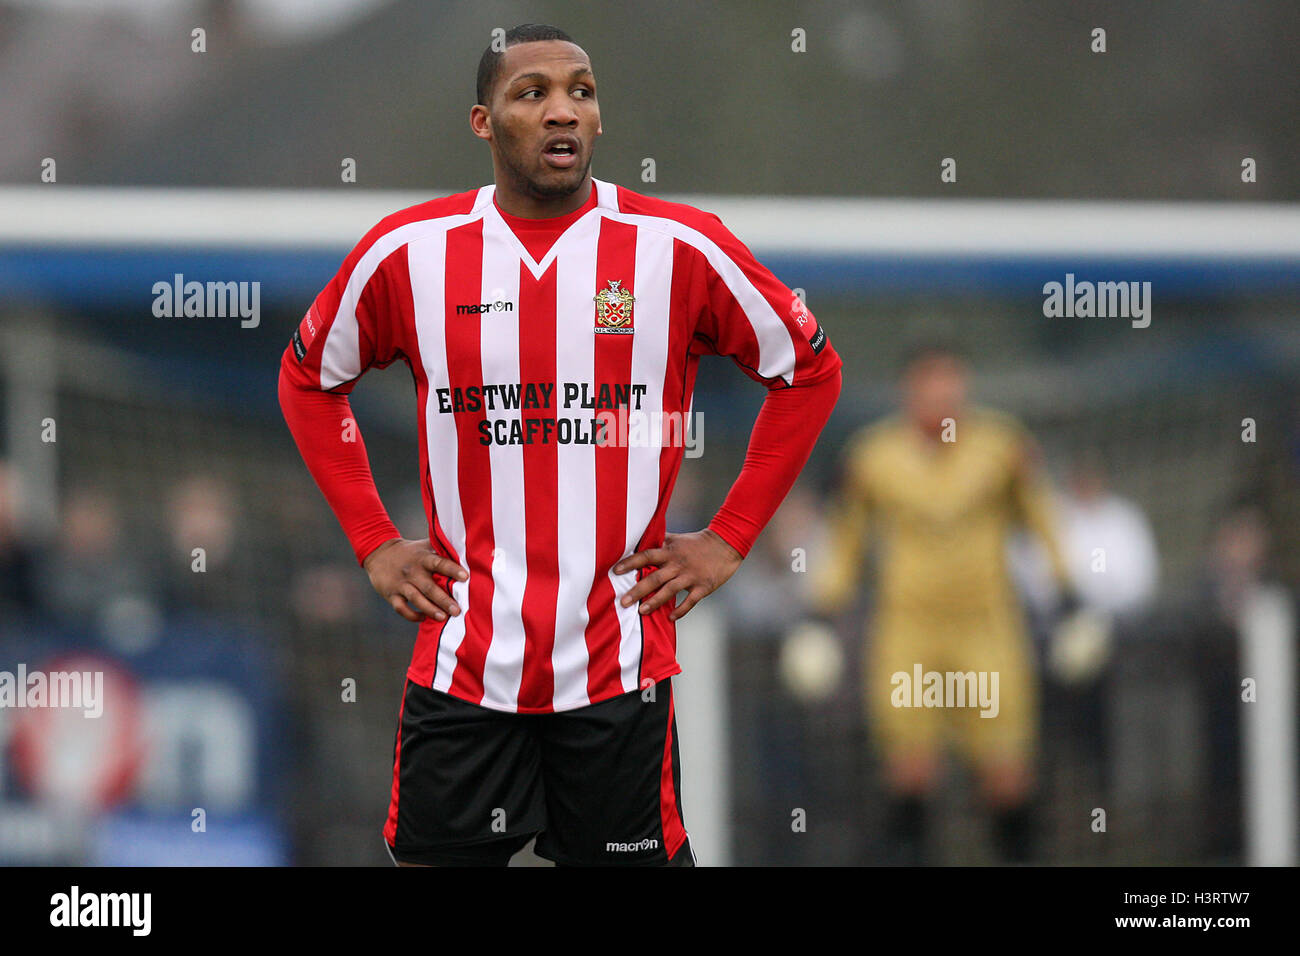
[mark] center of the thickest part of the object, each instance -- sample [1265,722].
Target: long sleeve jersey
[554,364]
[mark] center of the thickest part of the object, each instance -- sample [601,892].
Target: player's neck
[519,203]
[930,433]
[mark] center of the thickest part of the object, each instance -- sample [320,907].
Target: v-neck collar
[601,195]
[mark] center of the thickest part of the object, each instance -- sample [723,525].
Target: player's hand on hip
[402,571]
[698,563]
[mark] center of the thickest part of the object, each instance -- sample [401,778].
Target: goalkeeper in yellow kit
[938,488]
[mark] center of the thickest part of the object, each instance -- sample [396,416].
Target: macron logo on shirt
[476,308]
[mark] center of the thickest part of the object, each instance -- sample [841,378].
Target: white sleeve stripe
[341,356]
[776,356]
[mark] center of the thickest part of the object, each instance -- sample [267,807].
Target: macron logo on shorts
[646,844]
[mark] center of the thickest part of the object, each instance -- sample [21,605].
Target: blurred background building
[167,437]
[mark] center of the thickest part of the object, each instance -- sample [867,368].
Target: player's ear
[480,121]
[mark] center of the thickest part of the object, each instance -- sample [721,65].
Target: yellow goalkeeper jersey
[939,513]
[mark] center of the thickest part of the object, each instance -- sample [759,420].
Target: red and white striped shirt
[517,361]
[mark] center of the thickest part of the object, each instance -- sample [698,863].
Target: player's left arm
[1078,638]
[1031,495]
[745,312]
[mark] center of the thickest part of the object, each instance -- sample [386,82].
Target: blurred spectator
[18,593]
[1093,517]
[92,577]
[1237,560]
[327,596]
[201,513]
[1108,545]
[766,598]
[199,572]
[1110,551]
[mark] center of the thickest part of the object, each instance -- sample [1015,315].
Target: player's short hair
[935,340]
[490,62]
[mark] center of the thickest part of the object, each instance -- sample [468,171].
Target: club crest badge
[614,309]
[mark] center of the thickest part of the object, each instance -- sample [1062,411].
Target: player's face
[934,388]
[544,119]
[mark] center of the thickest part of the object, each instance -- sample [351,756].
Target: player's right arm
[351,327]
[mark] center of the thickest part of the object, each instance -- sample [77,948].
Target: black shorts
[598,785]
